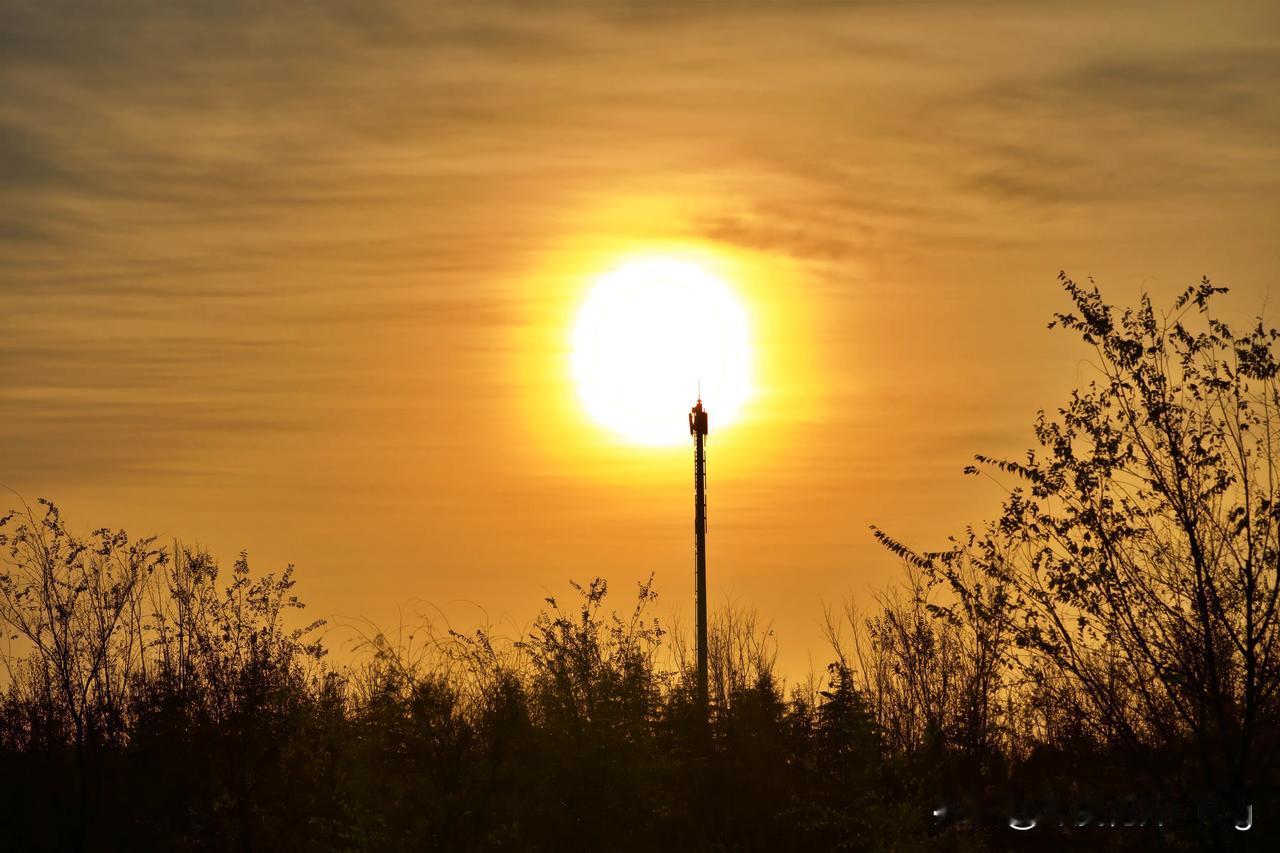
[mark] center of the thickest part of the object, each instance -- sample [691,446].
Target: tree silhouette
[1136,563]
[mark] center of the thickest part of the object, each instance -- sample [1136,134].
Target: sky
[299,278]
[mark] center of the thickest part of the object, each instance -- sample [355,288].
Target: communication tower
[698,429]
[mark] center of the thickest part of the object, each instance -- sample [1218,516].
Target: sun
[652,333]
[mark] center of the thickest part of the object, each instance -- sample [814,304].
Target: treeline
[162,706]
[1098,668]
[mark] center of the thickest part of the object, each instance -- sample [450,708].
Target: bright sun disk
[649,333]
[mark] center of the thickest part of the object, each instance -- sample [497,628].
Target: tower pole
[698,427]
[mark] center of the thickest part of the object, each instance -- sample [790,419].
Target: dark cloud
[766,234]
[1238,88]
[25,161]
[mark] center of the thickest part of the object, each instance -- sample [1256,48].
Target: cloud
[305,176]
[1228,89]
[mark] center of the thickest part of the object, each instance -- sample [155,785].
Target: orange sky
[301,282]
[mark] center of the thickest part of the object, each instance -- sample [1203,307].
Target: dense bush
[186,714]
[159,706]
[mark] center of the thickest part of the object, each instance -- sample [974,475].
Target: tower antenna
[698,429]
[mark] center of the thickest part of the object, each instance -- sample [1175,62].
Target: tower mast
[698,429]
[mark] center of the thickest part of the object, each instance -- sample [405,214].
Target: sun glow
[648,335]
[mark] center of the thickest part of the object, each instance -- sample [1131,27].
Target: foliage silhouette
[1134,568]
[1115,631]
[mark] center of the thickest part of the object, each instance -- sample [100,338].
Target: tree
[76,605]
[1138,556]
